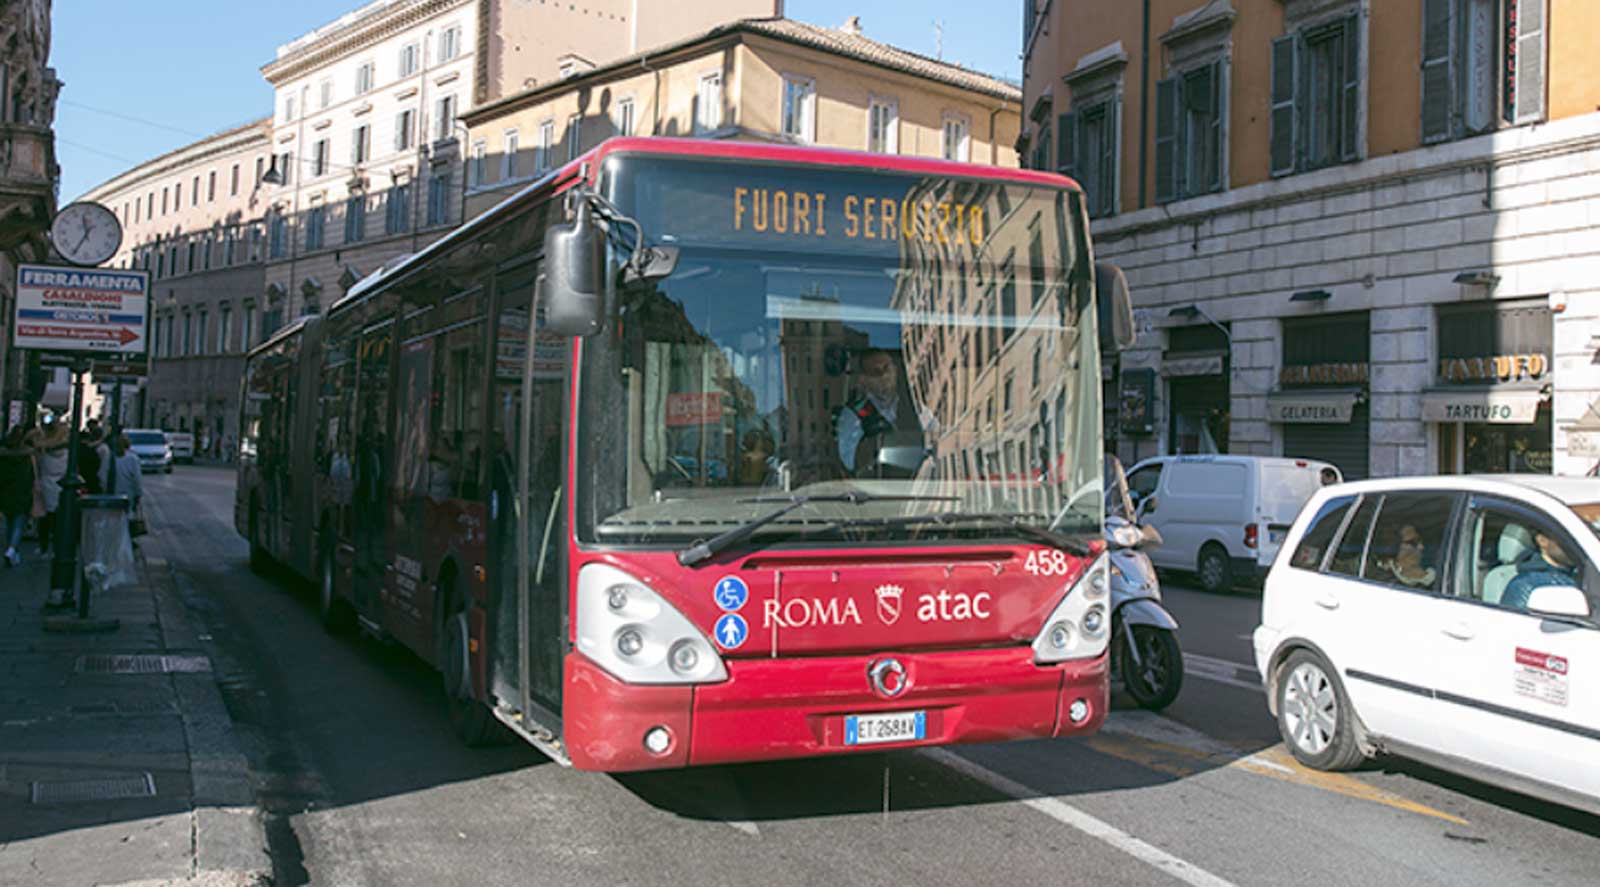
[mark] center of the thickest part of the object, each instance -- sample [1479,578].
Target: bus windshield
[914,357]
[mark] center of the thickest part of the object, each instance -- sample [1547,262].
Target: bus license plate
[900,726]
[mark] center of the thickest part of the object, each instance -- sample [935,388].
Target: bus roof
[760,152]
[292,328]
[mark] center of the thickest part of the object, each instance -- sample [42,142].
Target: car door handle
[1328,603]
[1459,631]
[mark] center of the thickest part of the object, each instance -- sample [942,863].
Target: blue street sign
[731,593]
[731,631]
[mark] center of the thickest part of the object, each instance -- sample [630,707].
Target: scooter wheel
[1155,680]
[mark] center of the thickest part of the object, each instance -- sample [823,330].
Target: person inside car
[1548,565]
[1406,566]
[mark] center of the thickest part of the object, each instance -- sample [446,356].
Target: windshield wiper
[1070,544]
[709,548]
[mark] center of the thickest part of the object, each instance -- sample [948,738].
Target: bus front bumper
[789,708]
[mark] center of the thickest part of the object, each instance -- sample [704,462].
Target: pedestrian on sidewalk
[16,491]
[129,474]
[50,445]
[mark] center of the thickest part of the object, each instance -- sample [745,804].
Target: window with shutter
[1350,98]
[1530,61]
[1167,187]
[1285,117]
[1066,143]
[1436,70]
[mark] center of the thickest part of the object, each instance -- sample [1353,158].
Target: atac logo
[889,603]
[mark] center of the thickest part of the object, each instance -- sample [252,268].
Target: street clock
[86,233]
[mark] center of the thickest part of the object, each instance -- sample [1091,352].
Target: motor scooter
[1144,636]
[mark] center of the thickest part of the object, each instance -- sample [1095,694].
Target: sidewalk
[118,763]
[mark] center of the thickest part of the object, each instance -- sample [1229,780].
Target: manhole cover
[117,788]
[141,663]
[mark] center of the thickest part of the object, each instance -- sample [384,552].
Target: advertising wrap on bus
[830,478]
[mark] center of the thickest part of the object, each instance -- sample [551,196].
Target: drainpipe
[1144,103]
[655,99]
[994,143]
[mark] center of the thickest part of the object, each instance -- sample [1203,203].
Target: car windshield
[146,438]
[1590,514]
[946,367]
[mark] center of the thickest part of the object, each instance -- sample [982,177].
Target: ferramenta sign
[81,309]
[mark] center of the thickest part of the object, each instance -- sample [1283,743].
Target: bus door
[372,460]
[527,509]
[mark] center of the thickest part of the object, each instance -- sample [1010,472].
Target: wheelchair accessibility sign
[731,593]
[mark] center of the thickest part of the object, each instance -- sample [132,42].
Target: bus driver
[878,429]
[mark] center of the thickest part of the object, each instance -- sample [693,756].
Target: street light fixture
[272,176]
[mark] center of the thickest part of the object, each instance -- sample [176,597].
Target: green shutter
[1167,154]
[1219,126]
[1066,143]
[1436,73]
[1285,122]
[1530,76]
[1350,99]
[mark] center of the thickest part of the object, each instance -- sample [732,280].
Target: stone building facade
[28,176]
[193,219]
[1396,273]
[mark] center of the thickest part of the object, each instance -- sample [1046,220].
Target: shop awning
[1311,407]
[1192,365]
[1493,404]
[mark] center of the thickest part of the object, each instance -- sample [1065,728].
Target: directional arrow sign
[81,309]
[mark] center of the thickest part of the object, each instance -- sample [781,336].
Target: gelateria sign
[1311,408]
[1499,368]
[1485,405]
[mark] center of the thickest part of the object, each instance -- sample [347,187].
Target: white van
[1223,516]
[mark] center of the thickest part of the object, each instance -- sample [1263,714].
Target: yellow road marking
[1187,755]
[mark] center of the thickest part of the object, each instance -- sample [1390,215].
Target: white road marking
[1096,828]
[1221,671]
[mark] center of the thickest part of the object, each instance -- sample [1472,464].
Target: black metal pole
[64,566]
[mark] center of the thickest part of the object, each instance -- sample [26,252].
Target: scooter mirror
[1152,537]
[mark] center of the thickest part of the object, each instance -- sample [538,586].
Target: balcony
[27,182]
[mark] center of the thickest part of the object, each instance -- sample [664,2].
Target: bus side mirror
[1114,305]
[574,272]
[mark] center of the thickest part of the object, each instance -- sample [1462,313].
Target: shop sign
[1210,365]
[1499,368]
[1584,444]
[694,409]
[1324,374]
[1492,407]
[1311,409]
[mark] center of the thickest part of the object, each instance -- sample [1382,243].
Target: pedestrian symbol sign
[731,631]
[731,593]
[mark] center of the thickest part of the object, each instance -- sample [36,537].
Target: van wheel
[1214,569]
[469,718]
[1315,717]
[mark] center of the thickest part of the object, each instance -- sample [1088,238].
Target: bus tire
[334,612]
[469,718]
[260,561]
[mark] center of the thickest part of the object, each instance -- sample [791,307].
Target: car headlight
[1076,628]
[633,633]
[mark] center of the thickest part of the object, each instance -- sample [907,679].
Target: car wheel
[1214,569]
[1315,717]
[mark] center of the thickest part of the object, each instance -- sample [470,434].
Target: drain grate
[141,663]
[116,788]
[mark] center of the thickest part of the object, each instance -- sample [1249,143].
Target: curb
[229,834]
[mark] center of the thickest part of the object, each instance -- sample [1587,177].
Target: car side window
[1346,560]
[1505,554]
[1319,535]
[1143,482]
[1408,541]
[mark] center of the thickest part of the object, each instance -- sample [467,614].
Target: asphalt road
[363,782]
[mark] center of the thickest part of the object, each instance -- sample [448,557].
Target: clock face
[86,233]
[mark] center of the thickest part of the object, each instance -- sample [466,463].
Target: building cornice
[355,36]
[243,138]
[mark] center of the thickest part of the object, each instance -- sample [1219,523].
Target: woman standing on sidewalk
[16,491]
[50,443]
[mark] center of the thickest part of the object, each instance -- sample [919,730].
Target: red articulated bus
[696,452]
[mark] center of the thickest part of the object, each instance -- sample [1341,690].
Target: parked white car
[1448,619]
[150,445]
[182,443]
[1223,516]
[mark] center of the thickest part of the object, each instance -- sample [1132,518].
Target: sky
[142,78]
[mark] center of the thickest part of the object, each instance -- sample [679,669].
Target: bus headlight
[1076,627]
[631,631]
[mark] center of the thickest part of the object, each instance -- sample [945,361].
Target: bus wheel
[334,612]
[260,561]
[469,718]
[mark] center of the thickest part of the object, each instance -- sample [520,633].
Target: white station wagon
[1455,620]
